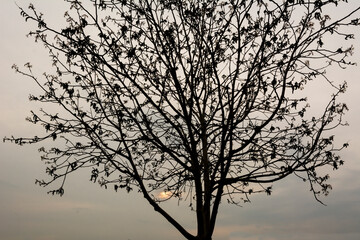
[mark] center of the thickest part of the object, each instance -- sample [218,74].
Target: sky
[88,212]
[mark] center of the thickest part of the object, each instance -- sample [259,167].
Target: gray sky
[88,212]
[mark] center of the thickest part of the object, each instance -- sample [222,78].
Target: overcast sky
[88,212]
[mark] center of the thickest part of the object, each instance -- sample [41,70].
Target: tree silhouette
[199,100]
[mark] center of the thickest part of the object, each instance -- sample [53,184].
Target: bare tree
[200,100]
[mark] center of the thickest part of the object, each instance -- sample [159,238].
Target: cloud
[311,229]
[25,203]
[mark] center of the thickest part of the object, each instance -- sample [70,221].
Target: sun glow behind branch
[164,195]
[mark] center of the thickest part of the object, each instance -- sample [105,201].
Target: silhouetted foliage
[198,99]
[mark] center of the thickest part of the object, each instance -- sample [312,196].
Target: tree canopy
[199,100]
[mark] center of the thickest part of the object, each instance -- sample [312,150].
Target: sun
[164,195]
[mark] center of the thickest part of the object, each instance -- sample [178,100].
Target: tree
[200,100]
